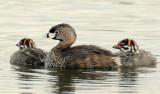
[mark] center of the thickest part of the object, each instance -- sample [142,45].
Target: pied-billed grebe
[82,56]
[28,54]
[131,55]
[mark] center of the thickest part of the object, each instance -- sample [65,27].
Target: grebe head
[26,43]
[127,45]
[61,32]
[64,33]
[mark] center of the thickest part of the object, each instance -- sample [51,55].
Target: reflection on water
[79,80]
[102,22]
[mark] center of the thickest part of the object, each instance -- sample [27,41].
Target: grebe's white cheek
[52,35]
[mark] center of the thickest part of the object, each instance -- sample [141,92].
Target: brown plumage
[28,54]
[82,56]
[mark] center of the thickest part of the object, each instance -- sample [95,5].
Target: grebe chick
[131,55]
[81,56]
[28,54]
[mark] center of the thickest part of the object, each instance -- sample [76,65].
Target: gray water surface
[98,22]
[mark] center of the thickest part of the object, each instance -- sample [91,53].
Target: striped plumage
[26,43]
[28,54]
[127,45]
[131,55]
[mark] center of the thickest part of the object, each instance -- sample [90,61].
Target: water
[102,22]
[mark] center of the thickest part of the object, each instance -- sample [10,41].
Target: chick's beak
[118,46]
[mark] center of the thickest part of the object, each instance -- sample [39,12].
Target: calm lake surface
[101,22]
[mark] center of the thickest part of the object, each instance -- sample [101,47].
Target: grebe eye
[56,32]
